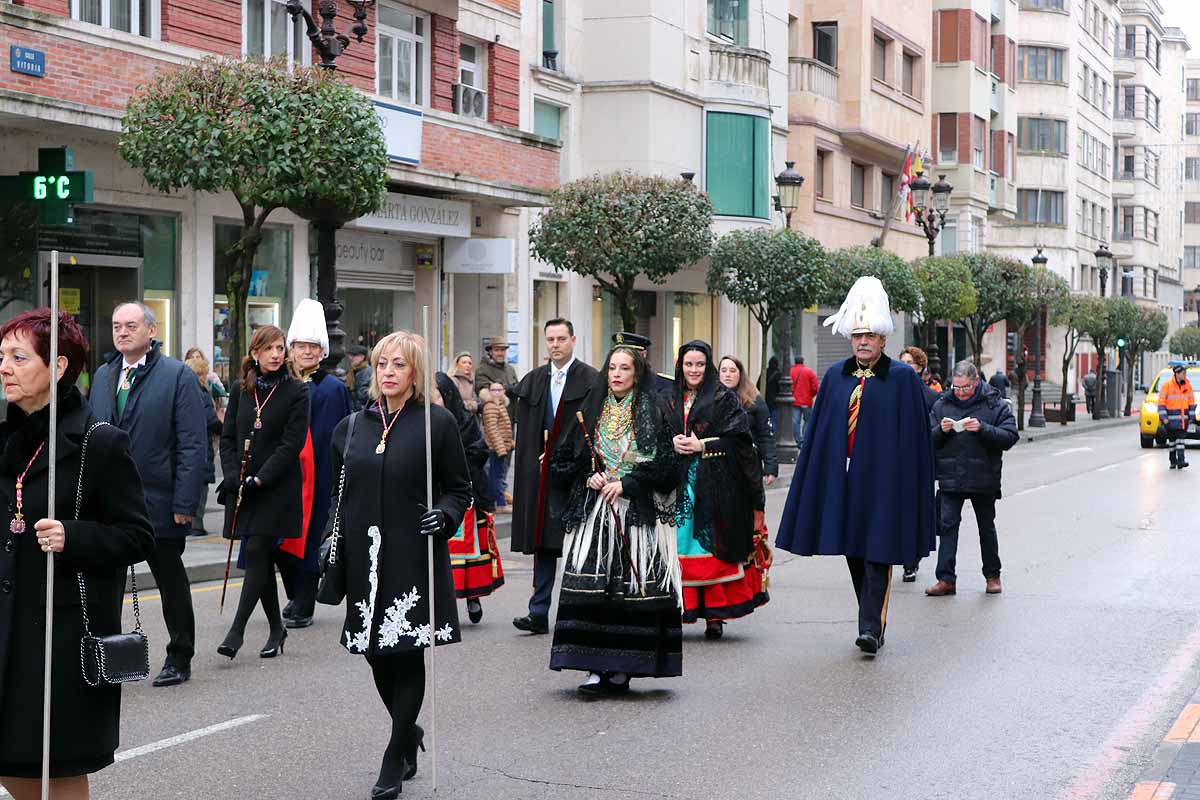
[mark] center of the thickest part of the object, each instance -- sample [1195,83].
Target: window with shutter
[737,164]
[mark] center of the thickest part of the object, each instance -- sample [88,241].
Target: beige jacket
[497,428]
[466,390]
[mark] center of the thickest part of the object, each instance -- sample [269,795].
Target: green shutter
[742,28]
[546,120]
[762,167]
[738,164]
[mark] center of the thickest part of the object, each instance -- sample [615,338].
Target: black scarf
[269,380]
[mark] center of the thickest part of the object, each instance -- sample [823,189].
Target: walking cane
[237,506]
[429,505]
[51,453]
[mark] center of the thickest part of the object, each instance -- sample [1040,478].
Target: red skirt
[475,558]
[715,589]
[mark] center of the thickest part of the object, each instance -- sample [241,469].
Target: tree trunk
[765,325]
[1022,382]
[1068,354]
[1131,357]
[623,294]
[975,334]
[237,292]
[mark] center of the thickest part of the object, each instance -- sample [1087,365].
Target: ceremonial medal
[17,525]
[381,447]
[258,423]
[258,409]
[387,427]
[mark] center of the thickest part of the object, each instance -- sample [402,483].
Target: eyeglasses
[963,389]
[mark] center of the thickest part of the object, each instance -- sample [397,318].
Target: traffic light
[1013,344]
[1121,342]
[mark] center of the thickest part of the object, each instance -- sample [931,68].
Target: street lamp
[329,44]
[1037,417]
[788,184]
[1104,260]
[931,219]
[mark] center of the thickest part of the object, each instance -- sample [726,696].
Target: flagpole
[51,453]
[891,211]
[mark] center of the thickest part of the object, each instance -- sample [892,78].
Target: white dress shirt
[558,379]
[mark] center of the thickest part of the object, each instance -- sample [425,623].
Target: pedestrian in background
[863,484]
[999,382]
[733,376]
[494,368]
[619,605]
[464,380]
[1089,390]
[804,394]
[112,532]
[156,400]
[1176,410]
[383,542]
[972,427]
[329,402]
[548,398]
[474,554]
[912,356]
[719,489]
[771,386]
[269,410]
[498,433]
[358,377]
[199,366]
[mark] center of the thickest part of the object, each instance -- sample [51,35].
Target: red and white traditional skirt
[715,589]
[474,556]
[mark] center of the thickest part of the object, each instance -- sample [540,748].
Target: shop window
[825,43]
[737,164]
[729,20]
[547,120]
[269,31]
[401,64]
[692,317]
[545,308]
[131,16]
[270,290]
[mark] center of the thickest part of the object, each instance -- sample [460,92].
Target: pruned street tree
[851,263]
[1000,284]
[1042,290]
[1145,333]
[618,227]
[299,139]
[772,272]
[1185,342]
[1096,322]
[946,291]
[1066,314]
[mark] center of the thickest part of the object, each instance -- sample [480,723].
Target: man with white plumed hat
[863,486]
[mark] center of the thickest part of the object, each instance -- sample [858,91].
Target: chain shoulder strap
[337,511]
[137,611]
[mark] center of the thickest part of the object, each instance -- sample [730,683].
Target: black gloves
[433,522]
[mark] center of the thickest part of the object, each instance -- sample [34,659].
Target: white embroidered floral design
[359,642]
[396,625]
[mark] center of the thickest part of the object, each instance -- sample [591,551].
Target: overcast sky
[1185,14]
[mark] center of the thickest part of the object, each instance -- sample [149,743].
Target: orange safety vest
[1176,403]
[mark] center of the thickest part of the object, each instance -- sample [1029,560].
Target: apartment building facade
[1191,191]
[445,77]
[859,94]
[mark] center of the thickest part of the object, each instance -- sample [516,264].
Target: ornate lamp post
[1037,419]
[1104,260]
[931,219]
[788,184]
[329,44]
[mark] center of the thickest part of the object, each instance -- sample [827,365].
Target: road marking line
[1152,790]
[1185,727]
[1071,450]
[183,738]
[1092,779]
[144,597]
[1030,491]
[1110,466]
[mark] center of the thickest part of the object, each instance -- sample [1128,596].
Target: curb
[1059,431]
[1174,770]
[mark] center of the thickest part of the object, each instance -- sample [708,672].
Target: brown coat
[497,427]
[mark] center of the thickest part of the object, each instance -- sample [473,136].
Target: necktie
[123,390]
[556,391]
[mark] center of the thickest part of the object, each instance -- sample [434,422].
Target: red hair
[72,343]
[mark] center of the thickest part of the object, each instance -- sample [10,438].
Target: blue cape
[882,508]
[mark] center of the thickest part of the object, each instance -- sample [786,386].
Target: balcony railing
[470,102]
[731,64]
[814,77]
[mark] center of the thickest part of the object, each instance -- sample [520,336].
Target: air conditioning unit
[470,101]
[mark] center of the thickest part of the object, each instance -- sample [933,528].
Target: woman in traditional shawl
[619,604]
[720,486]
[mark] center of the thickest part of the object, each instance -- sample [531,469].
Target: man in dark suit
[156,400]
[547,399]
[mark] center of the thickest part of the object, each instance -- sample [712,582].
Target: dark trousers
[497,469]
[166,565]
[299,584]
[984,506]
[545,567]
[1176,447]
[872,587]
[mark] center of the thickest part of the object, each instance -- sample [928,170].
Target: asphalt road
[1059,688]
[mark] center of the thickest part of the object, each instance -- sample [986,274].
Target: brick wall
[965,18]
[212,25]
[504,86]
[72,73]
[61,7]
[1000,48]
[451,150]
[357,64]
[964,138]
[998,142]
[444,58]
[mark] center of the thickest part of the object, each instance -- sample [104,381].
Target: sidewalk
[1174,772]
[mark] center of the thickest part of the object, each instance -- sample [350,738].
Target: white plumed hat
[308,325]
[866,309]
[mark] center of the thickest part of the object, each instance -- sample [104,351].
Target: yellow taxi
[1148,418]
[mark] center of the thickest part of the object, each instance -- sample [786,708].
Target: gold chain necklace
[617,417]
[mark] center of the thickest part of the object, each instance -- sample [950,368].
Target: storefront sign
[429,216]
[27,61]
[96,232]
[425,254]
[480,256]
[69,300]
[401,130]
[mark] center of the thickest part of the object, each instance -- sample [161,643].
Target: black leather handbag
[119,657]
[331,591]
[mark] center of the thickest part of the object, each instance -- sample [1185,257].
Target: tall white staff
[429,505]
[51,452]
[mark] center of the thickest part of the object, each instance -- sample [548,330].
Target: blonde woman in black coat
[383,542]
[268,411]
[112,532]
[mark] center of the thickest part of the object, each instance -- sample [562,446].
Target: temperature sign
[54,187]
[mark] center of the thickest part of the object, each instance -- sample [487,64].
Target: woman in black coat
[112,532]
[268,412]
[733,375]
[382,524]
